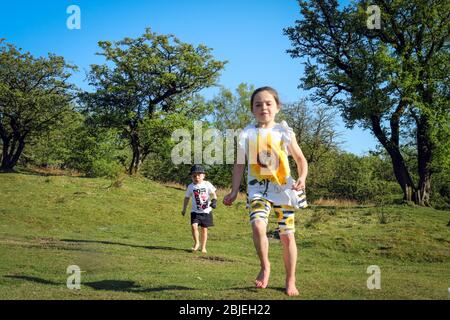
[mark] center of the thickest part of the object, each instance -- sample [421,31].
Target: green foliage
[54,148]
[104,168]
[347,176]
[440,196]
[356,178]
[232,111]
[162,169]
[98,154]
[144,76]
[158,132]
[34,96]
[148,88]
[74,144]
[392,80]
[221,176]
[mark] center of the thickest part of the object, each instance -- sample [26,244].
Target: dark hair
[271,90]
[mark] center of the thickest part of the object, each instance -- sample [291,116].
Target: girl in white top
[267,146]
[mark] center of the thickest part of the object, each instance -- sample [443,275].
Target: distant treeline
[392,81]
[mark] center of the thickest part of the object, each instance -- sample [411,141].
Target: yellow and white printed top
[269,175]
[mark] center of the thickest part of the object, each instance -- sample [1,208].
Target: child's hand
[299,185]
[183,212]
[229,199]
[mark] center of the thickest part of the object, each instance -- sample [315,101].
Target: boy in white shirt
[202,205]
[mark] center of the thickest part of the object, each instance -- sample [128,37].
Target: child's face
[265,108]
[198,177]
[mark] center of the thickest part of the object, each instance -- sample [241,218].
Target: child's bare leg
[262,248]
[204,238]
[290,262]
[195,236]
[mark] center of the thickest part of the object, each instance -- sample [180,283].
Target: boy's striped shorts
[260,210]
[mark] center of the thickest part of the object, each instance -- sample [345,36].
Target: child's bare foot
[262,280]
[195,247]
[204,250]
[291,289]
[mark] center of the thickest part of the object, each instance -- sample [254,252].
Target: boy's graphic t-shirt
[269,175]
[200,196]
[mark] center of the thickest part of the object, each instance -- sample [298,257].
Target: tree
[159,165]
[392,80]
[74,144]
[150,74]
[314,129]
[34,95]
[232,111]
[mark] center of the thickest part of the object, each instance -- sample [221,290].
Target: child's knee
[287,238]
[259,226]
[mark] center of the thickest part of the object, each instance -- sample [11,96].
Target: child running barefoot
[270,185]
[201,214]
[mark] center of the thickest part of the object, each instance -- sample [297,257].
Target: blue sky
[246,33]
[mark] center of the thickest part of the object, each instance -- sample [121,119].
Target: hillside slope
[131,242]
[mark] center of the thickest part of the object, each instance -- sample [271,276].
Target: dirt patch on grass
[216,259]
[336,202]
[44,243]
[55,171]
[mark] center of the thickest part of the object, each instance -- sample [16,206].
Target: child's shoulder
[283,125]
[284,129]
[250,126]
[208,182]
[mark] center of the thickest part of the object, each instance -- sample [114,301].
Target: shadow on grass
[129,286]
[7,171]
[32,279]
[250,289]
[254,289]
[108,285]
[126,245]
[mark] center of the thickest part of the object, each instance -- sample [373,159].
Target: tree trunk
[6,159]
[402,175]
[136,161]
[398,163]
[424,157]
[12,150]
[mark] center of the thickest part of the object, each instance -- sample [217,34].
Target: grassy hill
[131,242]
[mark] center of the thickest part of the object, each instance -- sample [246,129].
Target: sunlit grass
[131,242]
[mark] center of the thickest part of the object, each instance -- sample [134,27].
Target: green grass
[131,243]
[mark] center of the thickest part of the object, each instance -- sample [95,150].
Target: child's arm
[185,203]
[302,164]
[238,171]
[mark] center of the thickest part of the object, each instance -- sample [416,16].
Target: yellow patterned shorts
[260,210]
